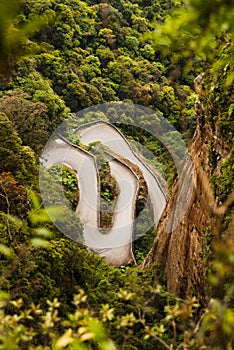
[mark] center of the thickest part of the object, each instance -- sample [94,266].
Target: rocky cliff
[180,251]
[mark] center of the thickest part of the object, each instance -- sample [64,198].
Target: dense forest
[176,58]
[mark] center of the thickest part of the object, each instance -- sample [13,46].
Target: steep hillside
[185,251]
[181,250]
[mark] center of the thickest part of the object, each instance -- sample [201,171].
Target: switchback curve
[116,245]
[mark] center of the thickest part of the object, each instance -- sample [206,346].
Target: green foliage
[29,119]
[82,329]
[197,30]
[69,182]
[10,151]
[90,54]
[219,101]
[15,32]
[140,314]
[158,155]
[180,325]
[85,53]
[222,184]
[108,196]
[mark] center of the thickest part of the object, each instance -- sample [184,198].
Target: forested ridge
[59,57]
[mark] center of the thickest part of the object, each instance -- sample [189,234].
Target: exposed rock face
[180,252]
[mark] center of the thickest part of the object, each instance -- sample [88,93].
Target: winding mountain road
[116,244]
[112,138]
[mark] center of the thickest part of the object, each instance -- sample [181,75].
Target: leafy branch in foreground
[181,328]
[14,37]
[196,33]
[184,324]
